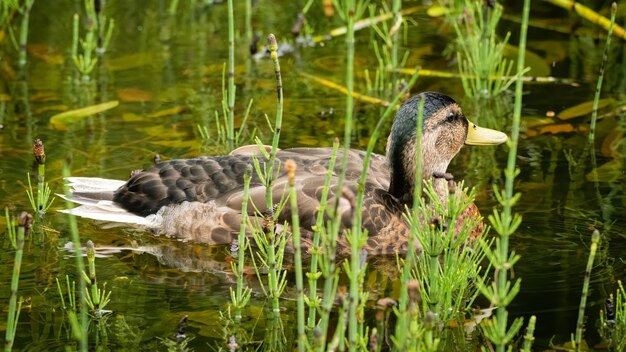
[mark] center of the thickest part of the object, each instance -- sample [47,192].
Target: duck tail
[95,196]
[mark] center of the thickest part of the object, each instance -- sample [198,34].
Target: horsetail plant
[400,337]
[271,245]
[240,297]
[529,338]
[16,237]
[501,293]
[580,323]
[42,202]
[97,298]
[313,301]
[230,127]
[613,319]
[80,330]
[290,165]
[480,54]
[84,60]
[25,10]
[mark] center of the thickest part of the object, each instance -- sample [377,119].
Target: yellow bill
[477,135]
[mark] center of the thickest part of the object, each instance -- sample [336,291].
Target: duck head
[445,130]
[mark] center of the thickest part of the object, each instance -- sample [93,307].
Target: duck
[200,199]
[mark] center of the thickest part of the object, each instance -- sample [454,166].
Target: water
[166,72]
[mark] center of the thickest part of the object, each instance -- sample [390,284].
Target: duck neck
[402,164]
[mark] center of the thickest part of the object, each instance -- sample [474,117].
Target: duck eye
[450,117]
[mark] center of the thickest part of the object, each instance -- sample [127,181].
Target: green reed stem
[314,274]
[249,31]
[330,291]
[243,293]
[24,224]
[605,57]
[274,291]
[529,338]
[40,159]
[98,298]
[290,165]
[230,129]
[505,223]
[350,11]
[81,335]
[402,325]
[580,324]
[594,114]
[24,32]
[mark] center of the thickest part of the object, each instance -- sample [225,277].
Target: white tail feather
[94,184]
[114,215]
[98,209]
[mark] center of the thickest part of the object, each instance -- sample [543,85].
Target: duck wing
[200,199]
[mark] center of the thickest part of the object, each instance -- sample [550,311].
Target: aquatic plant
[42,202]
[79,325]
[16,236]
[480,53]
[240,297]
[95,25]
[501,292]
[613,319]
[271,243]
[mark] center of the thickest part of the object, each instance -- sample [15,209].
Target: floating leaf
[609,172]
[60,107]
[44,97]
[134,95]
[538,66]
[437,11]
[45,53]
[176,143]
[612,142]
[536,121]
[583,109]
[554,129]
[131,117]
[60,121]
[164,131]
[130,61]
[167,112]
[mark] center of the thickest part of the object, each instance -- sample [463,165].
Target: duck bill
[477,135]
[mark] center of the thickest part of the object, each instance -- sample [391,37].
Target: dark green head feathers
[444,131]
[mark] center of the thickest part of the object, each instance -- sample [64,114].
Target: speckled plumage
[200,199]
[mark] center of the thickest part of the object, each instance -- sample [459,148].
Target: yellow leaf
[436,11]
[60,121]
[554,129]
[612,143]
[538,66]
[129,116]
[536,121]
[130,61]
[163,131]
[583,109]
[45,53]
[609,172]
[43,109]
[167,112]
[133,95]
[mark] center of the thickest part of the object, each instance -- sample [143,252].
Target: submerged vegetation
[451,290]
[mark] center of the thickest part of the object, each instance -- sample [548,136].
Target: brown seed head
[413,287]
[291,167]
[271,42]
[39,152]
[25,220]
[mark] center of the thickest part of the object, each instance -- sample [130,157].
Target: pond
[166,72]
